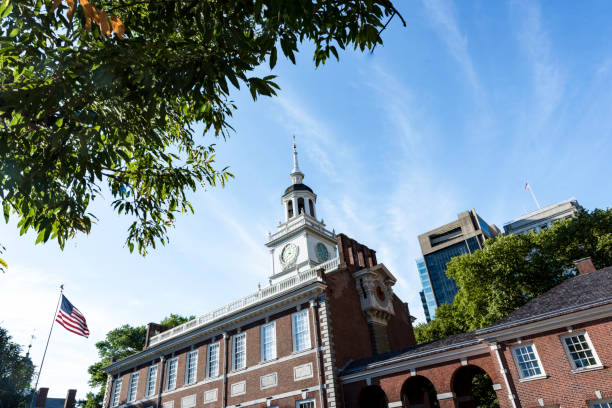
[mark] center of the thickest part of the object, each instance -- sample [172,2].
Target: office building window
[268,341]
[239,352]
[212,361]
[171,374]
[601,404]
[301,331]
[151,380]
[116,392]
[580,351]
[527,361]
[132,387]
[191,367]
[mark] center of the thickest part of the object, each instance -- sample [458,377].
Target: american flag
[72,320]
[527,186]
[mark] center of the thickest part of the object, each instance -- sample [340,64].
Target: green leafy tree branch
[84,112]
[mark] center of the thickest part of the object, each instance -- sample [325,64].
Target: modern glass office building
[439,246]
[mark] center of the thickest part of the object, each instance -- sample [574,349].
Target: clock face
[288,254]
[322,253]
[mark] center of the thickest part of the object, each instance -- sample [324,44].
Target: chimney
[41,397]
[153,329]
[584,265]
[70,399]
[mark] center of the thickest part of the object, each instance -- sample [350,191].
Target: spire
[296,175]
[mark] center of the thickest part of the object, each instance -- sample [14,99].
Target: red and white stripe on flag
[71,318]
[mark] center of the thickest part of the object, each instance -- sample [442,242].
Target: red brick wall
[562,386]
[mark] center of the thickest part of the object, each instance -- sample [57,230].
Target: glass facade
[472,244]
[427,295]
[443,287]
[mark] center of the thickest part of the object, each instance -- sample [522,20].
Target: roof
[577,293]
[298,187]
[447,343]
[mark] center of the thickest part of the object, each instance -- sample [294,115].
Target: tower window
[290,209]
[300,205]
[311,204]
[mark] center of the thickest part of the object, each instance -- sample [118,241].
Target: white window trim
[167,385]
[188,357]
[131,389]
[293,332]
[518,366]
[274,355]
[116,392]
[217,346]
[236,336]
[147,393]
[575,369]
[299,403]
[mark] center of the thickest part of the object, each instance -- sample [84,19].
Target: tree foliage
[513,269]
[85,113]
[120,343]
[16,372]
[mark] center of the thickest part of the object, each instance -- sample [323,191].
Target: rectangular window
[171,374]
[527,361]
[151,380]
[601,404]
[239,352]
[305,404]
[580,351]
[132,387]
[301,331]
[116,392]
[212,361]
[268,341]
[191,367]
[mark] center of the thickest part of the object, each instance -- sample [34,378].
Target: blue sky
[455,111]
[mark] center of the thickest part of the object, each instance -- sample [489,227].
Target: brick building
[329,302]
[555,351]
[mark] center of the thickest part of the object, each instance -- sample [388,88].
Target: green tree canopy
[85,112]
[16,372]
[513,269]
[120,343]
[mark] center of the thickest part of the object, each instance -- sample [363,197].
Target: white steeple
[296,175]
[301,242]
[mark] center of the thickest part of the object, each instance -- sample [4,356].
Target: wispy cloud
[442,16]
[547,76]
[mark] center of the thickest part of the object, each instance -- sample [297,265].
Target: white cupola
[301,240]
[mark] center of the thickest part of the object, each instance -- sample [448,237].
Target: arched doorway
[373,396]
[473,388]
[419,392]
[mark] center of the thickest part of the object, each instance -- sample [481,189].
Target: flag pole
[47,345]
[533,195]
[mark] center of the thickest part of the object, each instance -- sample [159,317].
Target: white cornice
[419,360]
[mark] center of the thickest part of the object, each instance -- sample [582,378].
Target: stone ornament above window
[188,401]
[302,372]
[238,388]
[268,381]
[210,396]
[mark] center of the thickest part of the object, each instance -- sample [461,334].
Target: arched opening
[311,205]
[473,388]
[419,392]
[373,396]
[300,206]
[289,209]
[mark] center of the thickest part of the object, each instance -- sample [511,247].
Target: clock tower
[301,241]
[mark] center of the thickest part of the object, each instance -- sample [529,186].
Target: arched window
[289,209]
[300,205]
[311,205]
